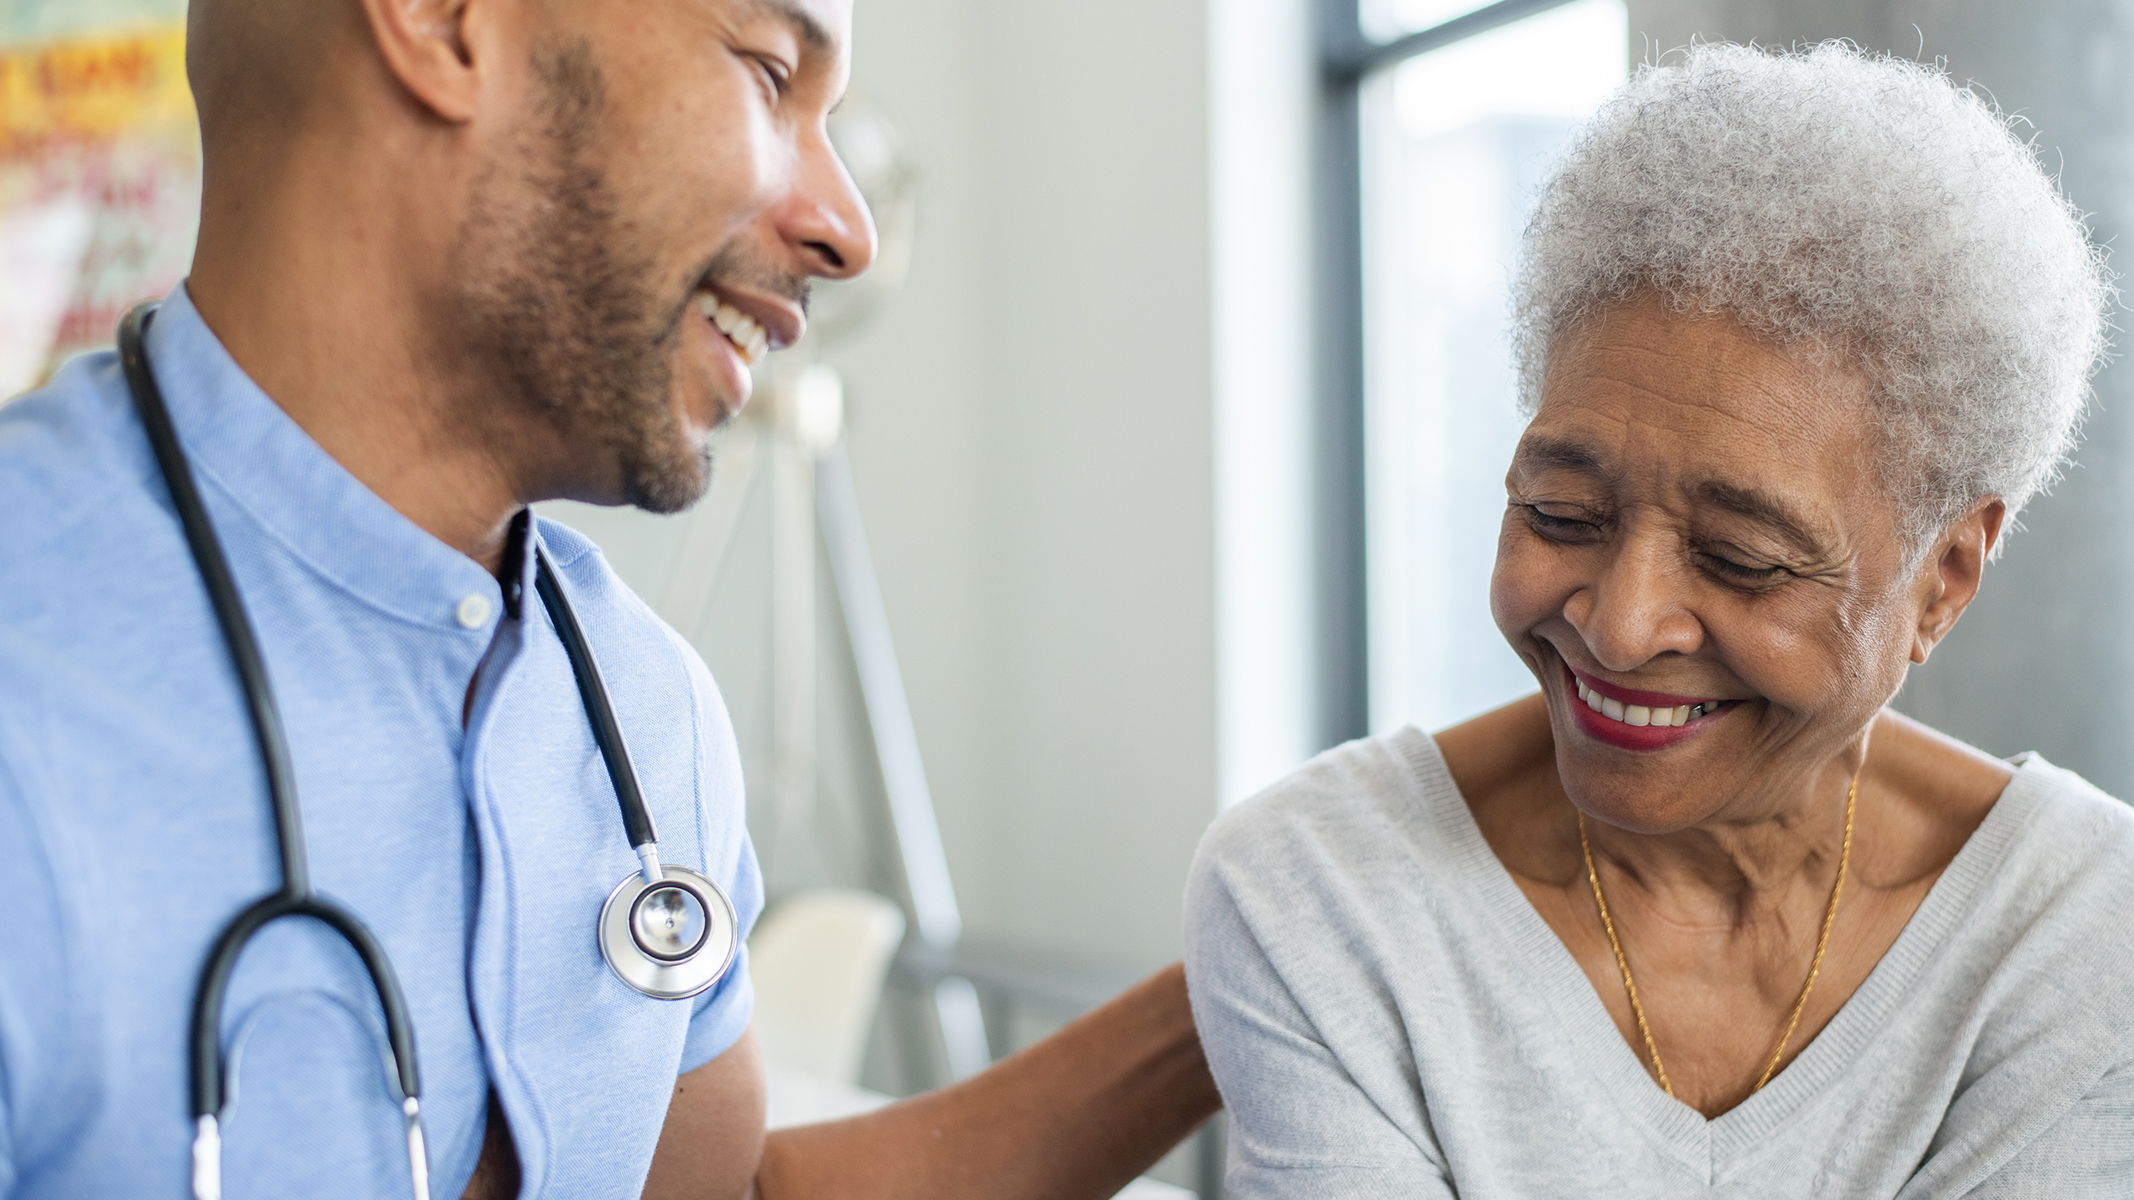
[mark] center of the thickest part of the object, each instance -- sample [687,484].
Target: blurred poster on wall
[99,188]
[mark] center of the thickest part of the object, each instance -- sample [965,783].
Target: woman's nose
[1635,609]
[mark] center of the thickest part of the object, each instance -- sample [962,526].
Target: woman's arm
[1301,1126]
[2086,1154]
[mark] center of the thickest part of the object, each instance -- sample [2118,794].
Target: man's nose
[826,219]
[1635,609]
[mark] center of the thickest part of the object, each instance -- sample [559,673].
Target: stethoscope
[665,930]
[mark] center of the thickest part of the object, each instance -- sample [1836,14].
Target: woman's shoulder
[2031,957]
[1363,865]
[2033,911]
[2070,843]
[1314,914]
[1346,806]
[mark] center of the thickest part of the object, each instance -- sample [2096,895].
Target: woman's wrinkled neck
[1753,850]
[1920,796]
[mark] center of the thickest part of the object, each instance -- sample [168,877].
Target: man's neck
[321,305]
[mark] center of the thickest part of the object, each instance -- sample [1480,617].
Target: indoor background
[1178,449]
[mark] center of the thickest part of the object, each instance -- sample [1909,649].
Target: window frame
[1348,56]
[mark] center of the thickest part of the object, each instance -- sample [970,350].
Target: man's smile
[752,321]
[739,329]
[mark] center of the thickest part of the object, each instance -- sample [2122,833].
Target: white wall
[1082,437]
[1032,439]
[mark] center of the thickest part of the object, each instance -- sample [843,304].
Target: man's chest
[479,861]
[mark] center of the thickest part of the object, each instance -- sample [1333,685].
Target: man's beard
[560,311]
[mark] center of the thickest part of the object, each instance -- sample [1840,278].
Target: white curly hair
[1855,205]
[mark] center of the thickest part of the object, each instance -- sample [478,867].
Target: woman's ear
[1956,568]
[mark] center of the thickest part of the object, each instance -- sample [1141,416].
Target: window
[1454,141]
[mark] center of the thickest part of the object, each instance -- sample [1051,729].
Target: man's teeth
[1638,714]
[739,328]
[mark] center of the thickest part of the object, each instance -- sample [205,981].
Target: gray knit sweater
[1388,1016]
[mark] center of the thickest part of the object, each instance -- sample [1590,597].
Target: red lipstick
[1634,737]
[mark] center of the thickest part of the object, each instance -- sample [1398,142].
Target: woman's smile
[1633,719]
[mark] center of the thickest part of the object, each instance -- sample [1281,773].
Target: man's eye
[775,74]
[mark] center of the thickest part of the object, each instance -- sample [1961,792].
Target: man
[455,256]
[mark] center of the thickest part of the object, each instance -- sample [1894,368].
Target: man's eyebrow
[1763,508]
[811,31]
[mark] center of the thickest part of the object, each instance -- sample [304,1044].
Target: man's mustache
[735,269]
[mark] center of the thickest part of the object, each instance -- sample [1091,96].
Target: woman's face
[1698,541]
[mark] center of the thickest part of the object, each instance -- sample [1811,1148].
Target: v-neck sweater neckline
[1701,1145]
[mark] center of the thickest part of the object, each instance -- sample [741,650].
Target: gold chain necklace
[1822,942]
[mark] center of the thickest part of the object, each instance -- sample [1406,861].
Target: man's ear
[1958,564]
[430,47]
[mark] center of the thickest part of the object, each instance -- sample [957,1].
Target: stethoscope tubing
[215,984]
[222,594]
[607,734]
[295,897]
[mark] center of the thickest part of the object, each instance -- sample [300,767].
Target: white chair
[818,960]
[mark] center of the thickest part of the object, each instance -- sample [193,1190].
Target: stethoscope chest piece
[672,940]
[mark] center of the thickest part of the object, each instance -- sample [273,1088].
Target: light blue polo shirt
[134,821]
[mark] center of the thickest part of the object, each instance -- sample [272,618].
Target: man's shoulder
[67,450]
[631,639]
[610,604]
[669,698]
[83,533]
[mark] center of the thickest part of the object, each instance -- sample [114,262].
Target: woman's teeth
[739,328]
[1638,714]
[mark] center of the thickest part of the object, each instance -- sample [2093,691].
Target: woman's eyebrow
[1765,509]
[1537,453]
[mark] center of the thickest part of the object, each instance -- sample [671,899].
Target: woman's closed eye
[1563,522]
[1732,565]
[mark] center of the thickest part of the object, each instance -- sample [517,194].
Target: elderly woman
[1801,335]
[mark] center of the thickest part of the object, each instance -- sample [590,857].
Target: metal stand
[934,916]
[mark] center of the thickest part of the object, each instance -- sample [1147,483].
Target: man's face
[645,227]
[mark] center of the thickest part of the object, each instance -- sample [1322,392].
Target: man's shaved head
[254,64]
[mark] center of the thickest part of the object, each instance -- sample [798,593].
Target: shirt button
[473,611]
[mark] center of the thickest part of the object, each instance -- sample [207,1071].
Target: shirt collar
[244,446]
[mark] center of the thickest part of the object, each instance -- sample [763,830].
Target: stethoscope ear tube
[222,962]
